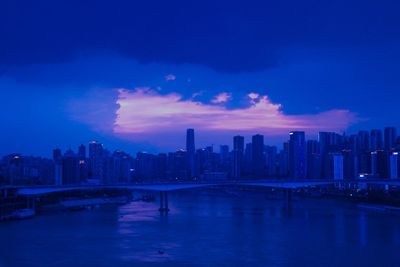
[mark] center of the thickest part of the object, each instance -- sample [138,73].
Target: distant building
[283,161]
[270,153]
[393,165]
[313,160]
[70,168]
[190,149]
[177,165]
[376,140]
[238,150]
[326,142]
[337,166]
[351,164]
[258,159]
[96,159]
[224,160]
[83,164]
[364,142]
[297,155]
[379,164]
[390,138]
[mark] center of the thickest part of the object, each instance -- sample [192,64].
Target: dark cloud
[228,36]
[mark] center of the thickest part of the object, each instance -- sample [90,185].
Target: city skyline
[374,136]
[336,156]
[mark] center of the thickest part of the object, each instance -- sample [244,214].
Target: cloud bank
[144,113]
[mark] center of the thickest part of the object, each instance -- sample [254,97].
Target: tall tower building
[297,155]
[82,152]
[376,140]
[364,141]
[258,159]
[238,150]
[96,160]
[57,158]
[326,142]
[390,138]
[190,149]
[83,166]
[70,168]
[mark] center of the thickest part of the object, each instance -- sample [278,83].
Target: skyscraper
[70,168]
[258,159]
[82,152]
[83,166]
[238,149]
[337,166]
[57,158]
[297,155]
[270,153]
[390,138]
[326,143]
[313,160]
[190,149]
[364,145]
[376,140]
[96,160]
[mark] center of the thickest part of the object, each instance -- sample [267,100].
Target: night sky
[135,74]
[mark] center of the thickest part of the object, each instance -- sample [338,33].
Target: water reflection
[207,229]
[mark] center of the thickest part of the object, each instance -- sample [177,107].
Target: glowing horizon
[142,111]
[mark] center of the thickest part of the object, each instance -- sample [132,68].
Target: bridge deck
[41,190]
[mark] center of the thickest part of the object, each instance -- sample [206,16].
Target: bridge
[163,188]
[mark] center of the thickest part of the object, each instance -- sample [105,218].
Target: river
[206,228]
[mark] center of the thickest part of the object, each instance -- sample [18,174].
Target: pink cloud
[221,98]
[144,113]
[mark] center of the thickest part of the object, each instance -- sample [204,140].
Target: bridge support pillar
[166,201]
[163,202]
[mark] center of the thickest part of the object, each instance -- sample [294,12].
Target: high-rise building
[224,152]
[297,155]
[390,138]
[96,159]
[258,159]
[351,164]
[224,159]
[393,165]
[271,160]
[57,155]
[83,166]
[82,152]
[283,162]
[57,159]
[247,160]
[379,164]
[363,137]
[326,142]
[70,168]
[337,166]
[238,150]
[313,160]
[190,152]
[376,141]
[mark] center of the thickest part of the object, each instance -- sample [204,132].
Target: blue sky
[62,63]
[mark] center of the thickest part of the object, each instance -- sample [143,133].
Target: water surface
[207,228]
